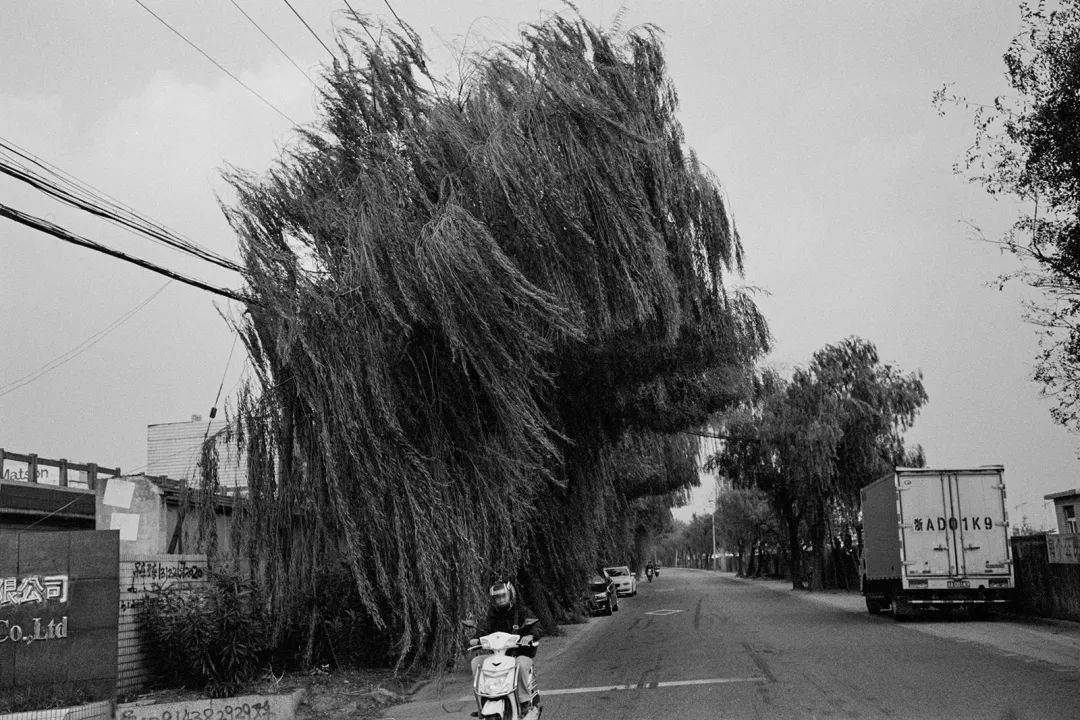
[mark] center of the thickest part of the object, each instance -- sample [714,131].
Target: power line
[213,408]
[280,49]
[63,507]
[69,190]
[362,24]
[313,33]
[401,23]
[79,349]
[58,232]
[215,62]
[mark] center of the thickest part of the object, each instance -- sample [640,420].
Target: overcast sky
[816,117]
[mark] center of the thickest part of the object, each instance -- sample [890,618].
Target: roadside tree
[1026,146]
[483,312]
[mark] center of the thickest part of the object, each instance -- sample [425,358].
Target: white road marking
[650,685]
[663,612]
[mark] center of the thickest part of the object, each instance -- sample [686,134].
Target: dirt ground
[352,694]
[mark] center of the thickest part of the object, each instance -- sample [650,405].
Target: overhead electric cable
[216,63]
[360,21]
[213,408]
[404,26]
[58,232]
[79,349]
[310,30]
[280,49]
[39,178]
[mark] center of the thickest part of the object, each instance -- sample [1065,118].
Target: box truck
[936,538]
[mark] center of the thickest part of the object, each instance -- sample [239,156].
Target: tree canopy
[483,312]
[1027,145]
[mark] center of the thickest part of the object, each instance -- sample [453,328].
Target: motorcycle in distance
[649,572]
[495,683]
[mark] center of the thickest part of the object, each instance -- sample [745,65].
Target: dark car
[602,595]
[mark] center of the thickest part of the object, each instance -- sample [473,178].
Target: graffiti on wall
[152,576]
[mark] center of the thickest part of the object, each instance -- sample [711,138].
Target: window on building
[1070,517]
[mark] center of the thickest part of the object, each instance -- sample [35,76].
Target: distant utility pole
[716,499]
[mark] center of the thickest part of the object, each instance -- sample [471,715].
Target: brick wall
[139,576]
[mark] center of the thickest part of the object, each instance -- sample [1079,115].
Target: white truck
[936,538]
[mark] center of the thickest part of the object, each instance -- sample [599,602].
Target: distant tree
[1028,145]
[870,405]
[809,444]
[743,520]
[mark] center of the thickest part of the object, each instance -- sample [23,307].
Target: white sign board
[118,493]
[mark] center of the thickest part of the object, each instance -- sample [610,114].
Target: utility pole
[716,499]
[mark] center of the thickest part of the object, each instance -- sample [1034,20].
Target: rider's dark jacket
[509,620]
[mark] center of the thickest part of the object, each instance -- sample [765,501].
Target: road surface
[695,644]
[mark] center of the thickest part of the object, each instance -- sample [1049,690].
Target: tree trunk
[818,547]
[795,553]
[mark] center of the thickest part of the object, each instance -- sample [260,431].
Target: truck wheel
[874,607]
[979,612]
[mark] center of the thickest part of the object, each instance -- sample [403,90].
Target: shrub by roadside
[212,639]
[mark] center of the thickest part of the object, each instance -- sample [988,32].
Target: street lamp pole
[716,498]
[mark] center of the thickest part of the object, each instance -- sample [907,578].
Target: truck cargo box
[936,537]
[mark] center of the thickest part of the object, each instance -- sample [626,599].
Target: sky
[816,118]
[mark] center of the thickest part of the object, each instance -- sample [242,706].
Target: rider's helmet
[502,595]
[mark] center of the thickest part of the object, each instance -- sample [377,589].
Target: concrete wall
[191,532]
[157,516]
[148,503]
[63,625]
[1044,588]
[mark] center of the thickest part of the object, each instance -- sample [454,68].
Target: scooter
[495,684]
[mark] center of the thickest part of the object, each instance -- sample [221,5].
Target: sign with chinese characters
[35,588]
[58,609]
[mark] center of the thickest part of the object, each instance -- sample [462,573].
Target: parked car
[603,596]
[625,582]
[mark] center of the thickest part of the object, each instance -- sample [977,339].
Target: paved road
[695,644]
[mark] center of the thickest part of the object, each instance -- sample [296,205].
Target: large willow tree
[482,314]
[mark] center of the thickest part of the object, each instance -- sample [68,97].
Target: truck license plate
[959,584]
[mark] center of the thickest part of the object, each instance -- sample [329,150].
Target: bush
[213,638]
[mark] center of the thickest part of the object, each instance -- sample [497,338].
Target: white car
[625,582]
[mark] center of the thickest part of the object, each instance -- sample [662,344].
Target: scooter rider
[506,614]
